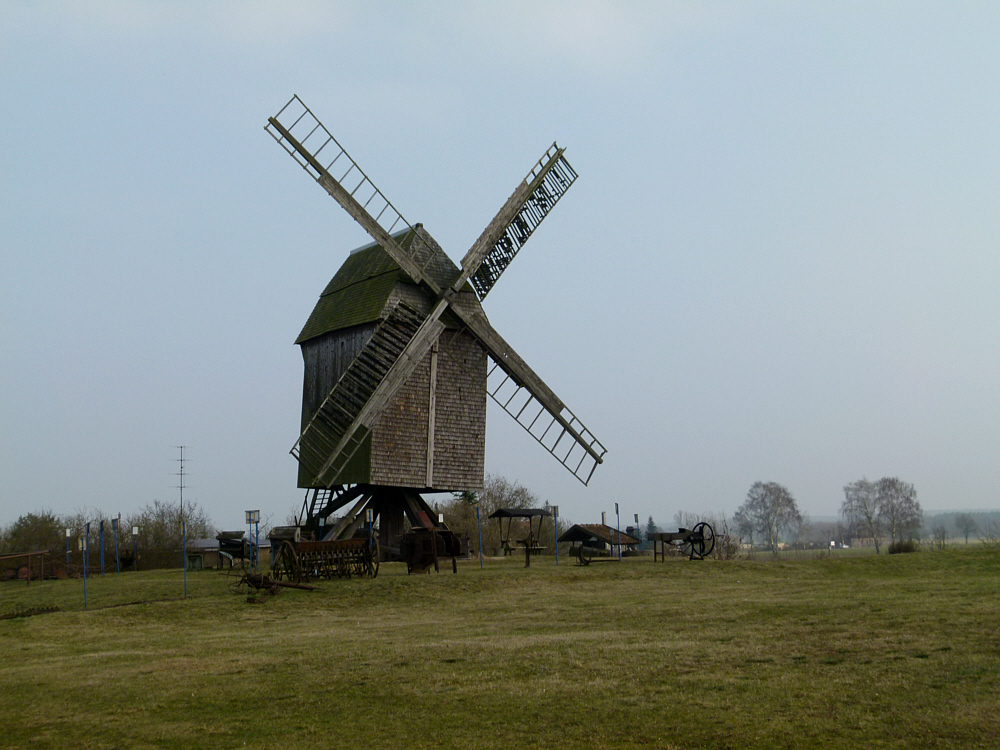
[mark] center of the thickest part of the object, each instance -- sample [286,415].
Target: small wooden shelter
[601,537]
[531,541]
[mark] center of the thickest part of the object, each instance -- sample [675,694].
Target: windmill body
[431,435]
[399,356]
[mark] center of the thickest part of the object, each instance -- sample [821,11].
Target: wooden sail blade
[504,236]
[342,423]
[521,393]
[308,141]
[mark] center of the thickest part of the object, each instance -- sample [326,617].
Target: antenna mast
[181,475]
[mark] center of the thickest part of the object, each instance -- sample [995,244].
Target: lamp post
[135,548]
[100,537]
[253,517]
[68,532]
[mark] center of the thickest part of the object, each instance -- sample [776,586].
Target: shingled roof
[358,292]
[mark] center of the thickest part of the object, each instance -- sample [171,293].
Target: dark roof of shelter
[588,532]
[519,512]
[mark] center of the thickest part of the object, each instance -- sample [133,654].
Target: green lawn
[849,652]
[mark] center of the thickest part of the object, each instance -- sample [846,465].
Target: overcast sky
[779,262]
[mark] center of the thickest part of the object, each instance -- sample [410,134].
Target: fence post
[86,552]
[479,523]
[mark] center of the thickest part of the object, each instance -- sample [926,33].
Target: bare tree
[966,524]
[498,492]
[862,510]
[940,532]
[768,510]
[899,507]
[685,520]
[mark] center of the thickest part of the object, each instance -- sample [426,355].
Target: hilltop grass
[870,651]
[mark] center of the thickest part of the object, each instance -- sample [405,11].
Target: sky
[779,262]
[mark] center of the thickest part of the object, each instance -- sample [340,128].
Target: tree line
[158,542]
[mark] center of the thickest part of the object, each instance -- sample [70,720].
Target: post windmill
[399,356]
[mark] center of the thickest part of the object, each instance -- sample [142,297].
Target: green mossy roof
[358,292]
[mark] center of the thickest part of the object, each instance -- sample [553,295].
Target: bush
[909,545]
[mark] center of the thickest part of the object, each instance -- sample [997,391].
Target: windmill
[399,356]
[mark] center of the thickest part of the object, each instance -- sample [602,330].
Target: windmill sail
[526,397]
[496,247]
[308,141]
[561,433]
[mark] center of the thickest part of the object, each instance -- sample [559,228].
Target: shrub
[909,545]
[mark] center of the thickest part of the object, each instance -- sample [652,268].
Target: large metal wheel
[286,564]
[586,554]
[702,540]
[372,556]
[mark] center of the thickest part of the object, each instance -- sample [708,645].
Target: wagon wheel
[703,542]
[372,557]
[286,564]
[585,554]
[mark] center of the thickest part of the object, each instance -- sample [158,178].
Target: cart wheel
[704,540]
[371,563]
[586,555]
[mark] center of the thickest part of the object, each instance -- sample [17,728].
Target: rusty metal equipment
[421,548]
[696,543]
[258,587]
[294,559]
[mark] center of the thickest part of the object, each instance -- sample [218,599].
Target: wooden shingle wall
[460,414]
[399,437]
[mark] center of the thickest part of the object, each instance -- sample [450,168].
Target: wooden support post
[430,414]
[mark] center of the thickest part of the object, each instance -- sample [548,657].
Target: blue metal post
[67,546]
[184,534]
[257,540]
[115,523]
[135,549]
[86,538]
[100,533]
[479,522]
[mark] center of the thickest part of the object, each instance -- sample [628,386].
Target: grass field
[851,652]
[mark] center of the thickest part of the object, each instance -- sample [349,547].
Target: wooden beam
[430,414]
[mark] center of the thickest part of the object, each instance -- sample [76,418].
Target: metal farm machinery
[696,543]
[298,560]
